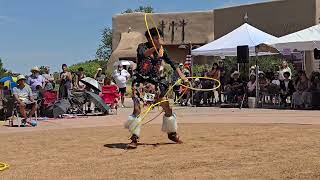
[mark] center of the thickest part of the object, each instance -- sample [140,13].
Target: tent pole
[257,76]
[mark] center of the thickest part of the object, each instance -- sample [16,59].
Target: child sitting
[185,92]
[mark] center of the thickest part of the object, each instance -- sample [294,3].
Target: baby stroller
[110,95]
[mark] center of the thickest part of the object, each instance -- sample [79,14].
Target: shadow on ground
[124,145]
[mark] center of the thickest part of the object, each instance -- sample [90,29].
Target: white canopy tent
[242,36]
[304,40]
[227,45]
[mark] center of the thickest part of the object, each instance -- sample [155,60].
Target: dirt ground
[218,144]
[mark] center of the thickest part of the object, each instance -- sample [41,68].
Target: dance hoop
[147,26]
[3,166]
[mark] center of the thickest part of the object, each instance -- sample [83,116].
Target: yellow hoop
[197,89]
[147,26]
[3,166]
[144,113]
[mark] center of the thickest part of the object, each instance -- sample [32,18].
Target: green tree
[105,48]
[90,67]
[144,9]
[3,71]
[128,11]
[42,70]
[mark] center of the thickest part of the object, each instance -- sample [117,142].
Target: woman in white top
[284,68]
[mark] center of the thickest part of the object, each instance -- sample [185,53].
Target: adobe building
[198,28]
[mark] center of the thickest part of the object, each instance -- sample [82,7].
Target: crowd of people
[301,92]
[273,87]
[30,92]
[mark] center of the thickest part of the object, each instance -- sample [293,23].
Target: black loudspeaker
[243,54]
[316,53]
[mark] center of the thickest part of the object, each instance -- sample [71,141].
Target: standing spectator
[284,68]
[252,70]
[1,99]
[78,85]
[65,82]
[186,70]
[215,74]
[35,79]
[23,95]
[222,78]
[205,70]
[48,79]
[121,77]
[99,76]
[287,87]
[251,86]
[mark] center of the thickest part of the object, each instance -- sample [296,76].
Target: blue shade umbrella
[7,78]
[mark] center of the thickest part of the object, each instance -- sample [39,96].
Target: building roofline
[164,13]
[248,4]
[204,11]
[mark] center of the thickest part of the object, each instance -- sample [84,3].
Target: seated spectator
[302,96]
[24,98]
[235,87]
[35,79]
[276,80]
[176,88]
[197,96]
[110,92]
[287,87]
[38,93]
[315,82]
[263,82]
[315,89]
[251,86]
[185,92]
[207,84]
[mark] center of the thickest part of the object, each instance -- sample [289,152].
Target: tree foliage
[3,71]
[105,47]
[145,9]
[90,67]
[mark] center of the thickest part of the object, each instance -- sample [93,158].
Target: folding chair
[110,96]
[15,115]
[272,93]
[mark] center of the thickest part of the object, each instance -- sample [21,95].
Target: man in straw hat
[36,79]
[147,77]
[234,87]
[24,98]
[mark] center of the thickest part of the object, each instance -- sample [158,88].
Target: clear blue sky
[52,32]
